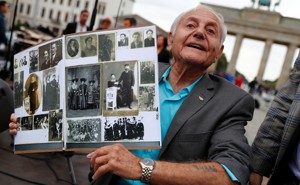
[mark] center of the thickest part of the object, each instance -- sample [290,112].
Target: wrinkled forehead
[202,13]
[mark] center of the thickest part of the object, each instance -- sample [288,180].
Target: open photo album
[87,90]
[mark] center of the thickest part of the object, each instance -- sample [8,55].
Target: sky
[163,12]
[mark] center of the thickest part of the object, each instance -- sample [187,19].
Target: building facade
[55,14]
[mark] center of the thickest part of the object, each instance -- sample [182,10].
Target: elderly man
[202,124]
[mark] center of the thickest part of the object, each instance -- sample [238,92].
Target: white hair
[218,15]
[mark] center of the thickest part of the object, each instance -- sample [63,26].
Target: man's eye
[211,31]
[190,26]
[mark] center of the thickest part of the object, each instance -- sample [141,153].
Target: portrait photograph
[51,91]
[41,122]
[149,38]
[147,72]
[123,40]
[88,45]
[56,52]
[106,47]
[18,89]
[137,38]
[44,57]
[123,128]
[83,91]
[55,125]
[72,47]
[120,88]
[84,130]
[33,60]
[32,94]
[147,98]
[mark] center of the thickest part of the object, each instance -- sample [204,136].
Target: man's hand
[116,159]
[13,125]
[255,179]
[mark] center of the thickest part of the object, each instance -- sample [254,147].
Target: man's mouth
[196,46]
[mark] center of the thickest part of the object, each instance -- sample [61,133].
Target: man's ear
[170,40]
[219,54]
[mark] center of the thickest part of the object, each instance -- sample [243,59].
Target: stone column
[286,68]
[264,60]
[236,51]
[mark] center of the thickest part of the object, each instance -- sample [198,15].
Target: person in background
[3,10]
[163,52]
[238,81]
[129,22]
[104,24]
[276,147]
[81,26]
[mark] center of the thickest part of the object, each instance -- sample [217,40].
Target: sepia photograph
[147,98]
[18,89]
[106,47]
[51,91]
[147,72]
[32,94]
[136,40]
[33,60]
[88,45]
[120,87]
[41,122]
[72,47]
[56,52]
[83,91]
[44,57]
[123,128]
[84,130]
[55,125]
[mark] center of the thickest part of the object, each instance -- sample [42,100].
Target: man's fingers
[13,118]
[101,171]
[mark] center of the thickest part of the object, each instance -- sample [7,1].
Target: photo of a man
[44,57]
[72,48]
[136,40]
[89,43]
[123,40]
[149,40]
[56,52]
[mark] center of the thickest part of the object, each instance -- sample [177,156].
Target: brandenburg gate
[267,26]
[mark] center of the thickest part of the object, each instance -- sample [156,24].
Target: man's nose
[200,33]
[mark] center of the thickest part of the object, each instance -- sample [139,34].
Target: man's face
[197,38]
[149,34]
[46,56]
[122,37]
[127,23]
[53,49]
[89,43]
[83,17]
[126,68]
[112,77]
[4,8]
[136,37]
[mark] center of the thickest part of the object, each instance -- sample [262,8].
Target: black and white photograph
[26,123]
[84,130]
[123,39]
[147,98]
[51,91]
[120,87]
[33,60]
[55,125]
[106,47]
[137,39]
[18,89]
[83,89]
[88,45]
[72,47]
[41,122]
[56,52]
[32,94]
[44,57]
[149,38]
[123,128]
[147,72]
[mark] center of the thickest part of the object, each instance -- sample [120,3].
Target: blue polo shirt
[170,102]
